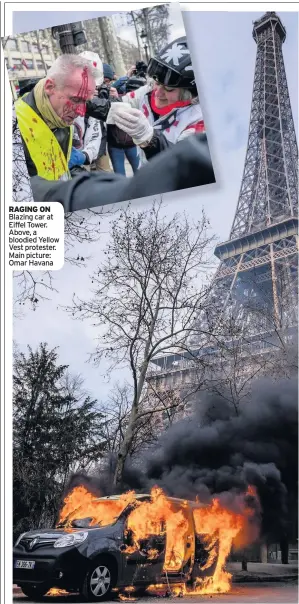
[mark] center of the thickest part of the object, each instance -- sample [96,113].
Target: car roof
[140,496]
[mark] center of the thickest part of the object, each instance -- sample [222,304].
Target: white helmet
[94,58]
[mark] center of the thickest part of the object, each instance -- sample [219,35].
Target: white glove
[114,109]
[134,123]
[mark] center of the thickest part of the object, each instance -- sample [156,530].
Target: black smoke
[224,456]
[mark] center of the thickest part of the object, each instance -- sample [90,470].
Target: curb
[264,578]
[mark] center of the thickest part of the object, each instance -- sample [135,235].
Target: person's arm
[159,142]
[187,164]
[134,97]
[92,140]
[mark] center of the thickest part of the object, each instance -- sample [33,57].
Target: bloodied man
[46,115]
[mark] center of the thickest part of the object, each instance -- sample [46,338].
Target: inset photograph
[101,106]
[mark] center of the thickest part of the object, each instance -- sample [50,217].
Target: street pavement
[265,593]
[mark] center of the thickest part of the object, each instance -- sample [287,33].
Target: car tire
[99,581]
[34,592]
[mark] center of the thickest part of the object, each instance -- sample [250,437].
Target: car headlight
[71,539]
[19,539]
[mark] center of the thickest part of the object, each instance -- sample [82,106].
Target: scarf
[45,108]
[168,108]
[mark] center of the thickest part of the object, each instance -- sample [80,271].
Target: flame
[161,526]
[80,503]
[150,517]
[54,591]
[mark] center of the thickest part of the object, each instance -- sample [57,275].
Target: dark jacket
[61,134]
[187,164]
[118,138]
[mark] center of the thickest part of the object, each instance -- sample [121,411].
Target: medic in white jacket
[166,110]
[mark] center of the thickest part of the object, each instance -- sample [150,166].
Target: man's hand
[134,123]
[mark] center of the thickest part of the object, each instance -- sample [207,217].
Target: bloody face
[165,96]
[69,101]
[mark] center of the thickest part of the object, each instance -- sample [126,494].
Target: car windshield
[98,513]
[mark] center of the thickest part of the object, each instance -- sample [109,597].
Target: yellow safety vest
[43,147]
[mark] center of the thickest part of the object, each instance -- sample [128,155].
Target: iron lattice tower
[258,264]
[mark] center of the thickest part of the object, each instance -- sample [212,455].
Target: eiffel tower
[258,262]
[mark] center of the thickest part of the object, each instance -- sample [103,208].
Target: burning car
[107,544]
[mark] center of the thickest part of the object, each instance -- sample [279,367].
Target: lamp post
[143,36]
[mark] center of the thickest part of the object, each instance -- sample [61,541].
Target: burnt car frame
[96,560]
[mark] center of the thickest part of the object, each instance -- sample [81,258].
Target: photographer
[139,71]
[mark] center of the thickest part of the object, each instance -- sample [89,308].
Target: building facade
[29,56]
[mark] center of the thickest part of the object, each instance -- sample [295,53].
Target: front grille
[33,543]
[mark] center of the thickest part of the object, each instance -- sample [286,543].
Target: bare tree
[260,340]
[145,295]
[153,22]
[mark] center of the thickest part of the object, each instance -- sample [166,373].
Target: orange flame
[80,503]
[54,591]
[161,523]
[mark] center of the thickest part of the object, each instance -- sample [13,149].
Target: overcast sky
[223,52]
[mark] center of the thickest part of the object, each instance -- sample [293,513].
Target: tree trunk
[244,563]
[129,435]
[39,46]
[122,456]
[284,548]
[137,35]
[111,45]
[125,448]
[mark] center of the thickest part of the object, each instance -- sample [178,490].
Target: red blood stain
[132,94]
[78,108]
[145,110]
[94,63]
[176,122]
[198,127]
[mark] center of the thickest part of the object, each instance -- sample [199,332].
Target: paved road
[267,593]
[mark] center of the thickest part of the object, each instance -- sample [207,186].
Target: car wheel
[99,581]
[34,592]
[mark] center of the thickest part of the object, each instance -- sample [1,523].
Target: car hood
[104,531]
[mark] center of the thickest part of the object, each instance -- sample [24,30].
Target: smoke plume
[193,458]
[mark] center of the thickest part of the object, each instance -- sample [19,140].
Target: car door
[180,539]
[145,563]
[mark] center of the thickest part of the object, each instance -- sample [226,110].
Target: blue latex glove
[77,158]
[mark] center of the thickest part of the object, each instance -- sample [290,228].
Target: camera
[140,70]
[103,91]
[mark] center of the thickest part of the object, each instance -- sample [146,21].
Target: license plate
[26,564]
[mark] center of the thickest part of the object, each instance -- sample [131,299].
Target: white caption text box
[35,236]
